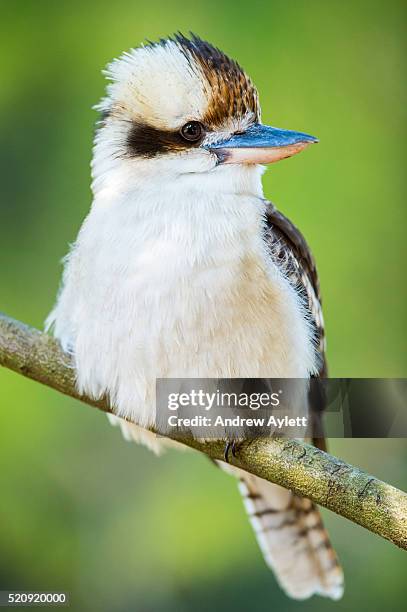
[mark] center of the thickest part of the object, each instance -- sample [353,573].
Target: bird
[182,268]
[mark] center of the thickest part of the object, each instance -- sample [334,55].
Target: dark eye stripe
[147,141]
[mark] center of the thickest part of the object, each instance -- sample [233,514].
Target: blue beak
[261,144]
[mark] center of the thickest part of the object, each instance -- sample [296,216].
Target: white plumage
[170,275]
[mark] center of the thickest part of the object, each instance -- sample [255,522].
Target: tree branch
[309,472]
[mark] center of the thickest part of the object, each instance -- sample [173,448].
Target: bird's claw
[230,445]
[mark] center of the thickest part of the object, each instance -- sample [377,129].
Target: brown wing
[291,253]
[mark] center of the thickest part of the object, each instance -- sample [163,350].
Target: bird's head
[181,106]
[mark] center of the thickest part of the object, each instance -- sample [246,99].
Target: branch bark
[309,472]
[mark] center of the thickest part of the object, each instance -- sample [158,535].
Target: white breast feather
[166,280]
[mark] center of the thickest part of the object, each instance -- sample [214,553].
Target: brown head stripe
[232,94]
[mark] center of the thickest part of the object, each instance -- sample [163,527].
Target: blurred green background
[80,509]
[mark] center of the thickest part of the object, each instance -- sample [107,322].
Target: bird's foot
[231,445]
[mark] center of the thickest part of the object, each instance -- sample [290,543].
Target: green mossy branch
[309,472]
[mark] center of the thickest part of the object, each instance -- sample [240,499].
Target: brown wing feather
[289,528]
[290,251]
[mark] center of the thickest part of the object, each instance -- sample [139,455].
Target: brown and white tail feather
[293,540]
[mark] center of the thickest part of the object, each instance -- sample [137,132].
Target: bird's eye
[192,131]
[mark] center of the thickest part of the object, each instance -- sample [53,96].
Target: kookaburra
[183,269]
